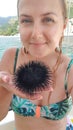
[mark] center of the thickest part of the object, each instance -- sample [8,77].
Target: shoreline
[65,35]
[18,35]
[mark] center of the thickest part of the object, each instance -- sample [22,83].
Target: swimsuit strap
[15,59]
[66,76]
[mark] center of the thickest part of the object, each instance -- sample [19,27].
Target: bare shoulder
[7,60]
[71,73]
[69,65]
[66,61]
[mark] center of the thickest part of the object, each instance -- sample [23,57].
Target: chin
[39,55]
[39,52]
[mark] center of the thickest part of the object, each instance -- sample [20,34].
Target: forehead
[39,6]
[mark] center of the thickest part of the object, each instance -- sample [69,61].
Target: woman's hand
[6,81]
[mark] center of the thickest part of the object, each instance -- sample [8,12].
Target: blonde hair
[63,3]
[65,8]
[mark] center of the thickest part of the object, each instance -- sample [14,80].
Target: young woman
[41,26]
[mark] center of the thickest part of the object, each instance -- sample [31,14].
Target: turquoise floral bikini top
[54,111]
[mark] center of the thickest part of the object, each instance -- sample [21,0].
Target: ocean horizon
[14,41]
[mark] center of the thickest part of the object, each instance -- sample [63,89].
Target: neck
[52,60]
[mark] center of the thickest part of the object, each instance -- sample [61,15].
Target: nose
[37,32]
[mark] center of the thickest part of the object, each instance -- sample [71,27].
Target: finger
[6,79]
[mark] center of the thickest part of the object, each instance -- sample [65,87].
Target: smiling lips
[38,44]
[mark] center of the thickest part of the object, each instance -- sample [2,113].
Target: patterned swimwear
[54,111]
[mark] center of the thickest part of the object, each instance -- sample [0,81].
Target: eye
[26,21]
[48,20]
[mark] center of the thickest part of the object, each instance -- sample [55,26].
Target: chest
[56,95]
[50,104]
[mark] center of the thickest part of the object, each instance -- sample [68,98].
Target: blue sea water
[8,42]
[14,41]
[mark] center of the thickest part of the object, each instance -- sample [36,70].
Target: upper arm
[6,64]
[70,81]
[7,61]
[72,93]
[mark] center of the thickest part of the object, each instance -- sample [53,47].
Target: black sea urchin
[33,77]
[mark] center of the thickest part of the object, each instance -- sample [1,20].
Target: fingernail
[5,78]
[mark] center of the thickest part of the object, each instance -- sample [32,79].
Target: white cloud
[8,8]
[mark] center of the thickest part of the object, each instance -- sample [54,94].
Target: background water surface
[14,41]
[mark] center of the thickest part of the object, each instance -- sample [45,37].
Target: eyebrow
[25,15]
[49,13]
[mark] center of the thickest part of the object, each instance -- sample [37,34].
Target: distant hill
[8,25]
[5,20]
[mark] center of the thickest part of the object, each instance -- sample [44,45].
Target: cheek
[54,34]
[24,34]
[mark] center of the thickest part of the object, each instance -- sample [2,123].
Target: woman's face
[41,25]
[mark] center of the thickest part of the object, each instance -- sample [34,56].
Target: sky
[8,8]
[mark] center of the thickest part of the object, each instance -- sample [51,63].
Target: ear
[65,23]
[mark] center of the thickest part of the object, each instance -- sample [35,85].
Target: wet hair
[33,77]
[64,7]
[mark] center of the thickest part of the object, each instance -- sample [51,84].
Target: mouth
[38,44]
